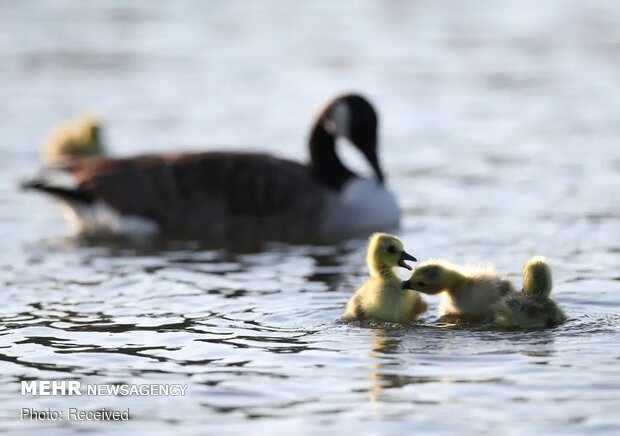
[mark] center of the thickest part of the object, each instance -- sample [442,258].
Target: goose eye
[391,249]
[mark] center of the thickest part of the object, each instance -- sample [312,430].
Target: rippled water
[500,129]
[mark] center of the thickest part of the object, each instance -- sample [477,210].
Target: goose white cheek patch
[339,120]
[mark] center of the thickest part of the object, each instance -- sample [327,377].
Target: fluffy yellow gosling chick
[73,139]
[382,297]
[532,308]
[468,292]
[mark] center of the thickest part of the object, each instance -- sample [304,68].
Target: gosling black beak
[406,284]
[405,256]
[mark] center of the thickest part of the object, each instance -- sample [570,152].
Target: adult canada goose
[234,195]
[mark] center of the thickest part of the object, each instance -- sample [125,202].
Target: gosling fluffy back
[533,307]
[537,280]
[468,270]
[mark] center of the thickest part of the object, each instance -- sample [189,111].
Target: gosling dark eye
[391,249]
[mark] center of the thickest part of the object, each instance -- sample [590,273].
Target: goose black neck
[325,164]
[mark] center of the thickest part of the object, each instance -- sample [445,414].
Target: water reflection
[388,371]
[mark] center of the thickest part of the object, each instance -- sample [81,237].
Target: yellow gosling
[468,292]
[382,297]
[73,139]
[533,307]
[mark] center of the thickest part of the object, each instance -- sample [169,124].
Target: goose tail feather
[68,194]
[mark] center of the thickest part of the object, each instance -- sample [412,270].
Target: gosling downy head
[386,252]
[537,278]
[432,277]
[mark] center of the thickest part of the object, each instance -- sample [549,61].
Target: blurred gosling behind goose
[73,139]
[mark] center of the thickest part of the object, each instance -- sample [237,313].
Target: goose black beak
[378,171]
[405,256]
[374,163]
[407,284]
[369,149]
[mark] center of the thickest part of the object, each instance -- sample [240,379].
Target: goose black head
[350,116]
[353,117]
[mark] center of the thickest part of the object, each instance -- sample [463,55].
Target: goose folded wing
[211,193]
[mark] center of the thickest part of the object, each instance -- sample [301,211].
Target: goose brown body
[218,194]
